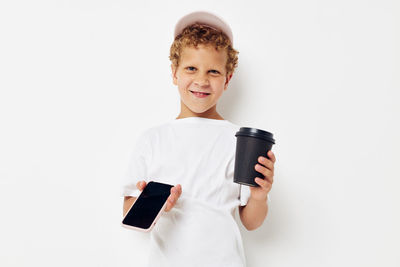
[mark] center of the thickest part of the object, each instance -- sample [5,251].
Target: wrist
[259,199]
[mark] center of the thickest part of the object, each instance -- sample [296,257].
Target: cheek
[219,84]
[184,82]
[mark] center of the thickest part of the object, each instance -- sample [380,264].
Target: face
[201,69]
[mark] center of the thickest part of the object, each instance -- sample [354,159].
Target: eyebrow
[187,66]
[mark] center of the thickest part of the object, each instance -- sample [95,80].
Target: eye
[214,71]
[191,68]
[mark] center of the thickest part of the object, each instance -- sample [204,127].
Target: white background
[81,79]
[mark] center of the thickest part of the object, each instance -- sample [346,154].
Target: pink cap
[205,18]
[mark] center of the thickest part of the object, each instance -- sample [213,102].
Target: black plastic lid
[246,131]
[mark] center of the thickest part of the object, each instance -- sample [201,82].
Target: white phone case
[151,226]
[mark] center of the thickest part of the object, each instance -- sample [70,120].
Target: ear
[174,78]
[228,78]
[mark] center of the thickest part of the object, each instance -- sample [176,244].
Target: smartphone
[148,207]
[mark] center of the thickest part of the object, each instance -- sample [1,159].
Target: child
[196,152]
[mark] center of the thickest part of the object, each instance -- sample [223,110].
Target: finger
[265,171]
[174,192]
[266,162]
[173,197]
[270,179]
[170,203]
[263,183]
[171,200]
[271,156]
[179,189]
[168,207]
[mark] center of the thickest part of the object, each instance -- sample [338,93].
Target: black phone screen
[148,205]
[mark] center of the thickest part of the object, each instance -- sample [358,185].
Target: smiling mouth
[199,93]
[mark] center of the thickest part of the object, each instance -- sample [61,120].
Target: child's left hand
[266,167]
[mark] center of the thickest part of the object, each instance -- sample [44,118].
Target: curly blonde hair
[196,34]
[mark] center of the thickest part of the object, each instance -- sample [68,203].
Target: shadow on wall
[277,227]
[233,99]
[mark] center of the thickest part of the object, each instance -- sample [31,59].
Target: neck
[209,114]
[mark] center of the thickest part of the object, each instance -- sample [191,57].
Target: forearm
[254,213]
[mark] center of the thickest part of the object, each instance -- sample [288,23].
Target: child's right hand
[176,192]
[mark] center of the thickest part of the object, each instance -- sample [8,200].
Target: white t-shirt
[199,154]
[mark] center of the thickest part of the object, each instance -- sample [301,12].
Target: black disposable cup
[251,143]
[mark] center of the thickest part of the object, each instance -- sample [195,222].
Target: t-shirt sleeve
[245,195]
[137,169]
[244,191]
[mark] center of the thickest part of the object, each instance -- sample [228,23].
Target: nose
[201,80]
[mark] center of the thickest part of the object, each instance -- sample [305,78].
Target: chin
[195,109]
[198,111]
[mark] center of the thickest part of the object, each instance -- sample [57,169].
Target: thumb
[141,185]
